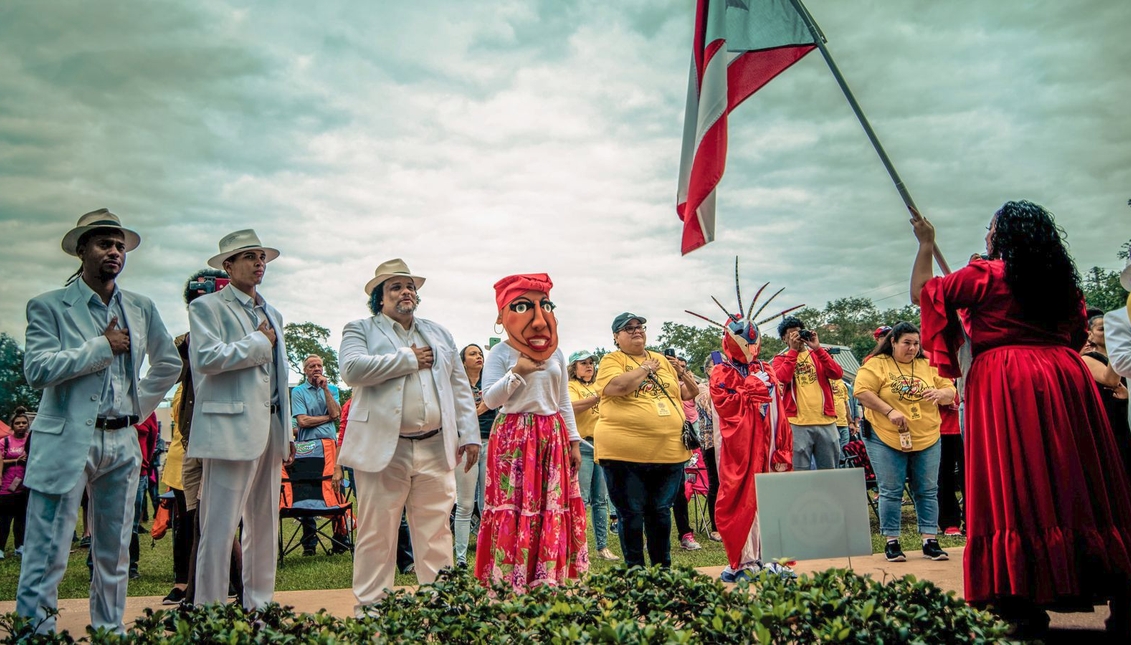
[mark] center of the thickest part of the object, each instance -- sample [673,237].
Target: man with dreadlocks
[755,438]
[86,344]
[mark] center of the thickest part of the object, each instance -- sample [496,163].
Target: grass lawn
[334,571]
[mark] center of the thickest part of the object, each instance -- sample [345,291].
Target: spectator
[806,372]
[1048,510]
[952,469]
[586,410]
[903,408]
[13,493]
[1112,387]
[638,439]
[147,441]
[315,408]
[680,509]
[80,351]
[845,424]
[706,410]
[467,480]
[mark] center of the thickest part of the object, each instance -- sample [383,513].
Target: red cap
[514,286]
[880,331]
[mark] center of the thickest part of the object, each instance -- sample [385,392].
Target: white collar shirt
[420,408]
[118,392]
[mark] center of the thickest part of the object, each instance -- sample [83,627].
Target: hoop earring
[498,328]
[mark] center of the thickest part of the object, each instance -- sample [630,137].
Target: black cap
[620,321]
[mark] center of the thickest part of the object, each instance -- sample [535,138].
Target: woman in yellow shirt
[901,394]
[584,397]
[638,439]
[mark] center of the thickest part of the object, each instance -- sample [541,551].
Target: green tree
[1102,289]
[693,343]
[14,389]
[304,339]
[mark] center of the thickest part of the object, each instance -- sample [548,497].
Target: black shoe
[893,553]
[309,552]
[134,573]
[84,543]
[175,597]
[932,551]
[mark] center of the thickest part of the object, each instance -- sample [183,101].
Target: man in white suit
[412,418]
[85,347]
[240,424]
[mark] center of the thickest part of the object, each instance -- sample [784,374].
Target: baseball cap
[880,331]
[620,321]
[580,356]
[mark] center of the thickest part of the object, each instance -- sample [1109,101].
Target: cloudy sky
[480,139]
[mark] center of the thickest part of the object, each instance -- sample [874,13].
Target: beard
[405,308]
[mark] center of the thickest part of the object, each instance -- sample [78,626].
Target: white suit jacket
[67,356]
[1117,338]
[373,363]
[229,358]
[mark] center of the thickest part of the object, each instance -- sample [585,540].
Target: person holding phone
[806,371]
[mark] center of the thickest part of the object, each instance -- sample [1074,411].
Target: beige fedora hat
[101,218]
[237,242]
[1125,277]
[391,269]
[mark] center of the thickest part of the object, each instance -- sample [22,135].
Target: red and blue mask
[741,342]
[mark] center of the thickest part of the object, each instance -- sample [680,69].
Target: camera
[805,335]
[670,352]
[208,284]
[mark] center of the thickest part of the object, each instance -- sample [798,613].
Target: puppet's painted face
[741,342]
[531,325]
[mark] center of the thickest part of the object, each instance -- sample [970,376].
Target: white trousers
[112,471]
[418,480]
[229,491]
[466,484]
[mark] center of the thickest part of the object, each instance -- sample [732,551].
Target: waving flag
[740,45]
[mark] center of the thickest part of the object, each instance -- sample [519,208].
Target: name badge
[663,409]
[916,414]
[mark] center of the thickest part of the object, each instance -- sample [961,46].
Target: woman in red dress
[1048,508]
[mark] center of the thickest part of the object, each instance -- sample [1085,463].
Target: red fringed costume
[1047,505]
[755,438]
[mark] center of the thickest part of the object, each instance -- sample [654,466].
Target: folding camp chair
[695,488]
[309,492]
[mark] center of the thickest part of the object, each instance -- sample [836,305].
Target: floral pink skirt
[533,527]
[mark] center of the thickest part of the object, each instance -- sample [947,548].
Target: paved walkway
[74,613]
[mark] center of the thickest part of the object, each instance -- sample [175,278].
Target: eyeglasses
[635,328]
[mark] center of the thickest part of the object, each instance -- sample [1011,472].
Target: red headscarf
[514,286]
[531,327]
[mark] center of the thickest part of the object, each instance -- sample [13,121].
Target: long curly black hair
[1038,269]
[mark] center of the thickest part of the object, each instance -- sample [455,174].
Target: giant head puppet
[741,339]
[526,312]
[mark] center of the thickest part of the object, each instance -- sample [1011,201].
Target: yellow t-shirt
[175,458]
[586,421]
[901,386]
[642,426]
[807,391]
[840,401]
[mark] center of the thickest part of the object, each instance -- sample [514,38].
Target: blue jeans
[893,467]
[595,495]
[643,496]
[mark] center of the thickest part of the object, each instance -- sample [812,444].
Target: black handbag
[690,434]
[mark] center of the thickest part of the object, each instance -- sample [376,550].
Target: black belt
[104,423]
[426,435]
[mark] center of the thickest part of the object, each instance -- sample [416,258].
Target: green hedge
[633,606]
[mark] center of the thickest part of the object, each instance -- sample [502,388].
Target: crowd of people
[1005,417]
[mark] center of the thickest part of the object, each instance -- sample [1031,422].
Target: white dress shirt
[117,390]
[420,411]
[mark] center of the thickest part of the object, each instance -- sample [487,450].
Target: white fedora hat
[101,218]
[1125,277]
[237,242]
[391,269]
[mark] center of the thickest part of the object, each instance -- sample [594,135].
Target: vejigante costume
[755,435]
[533,524]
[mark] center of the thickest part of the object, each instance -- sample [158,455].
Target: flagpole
[910,203]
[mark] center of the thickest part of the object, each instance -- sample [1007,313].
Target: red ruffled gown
[755,438]
[1047,505]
